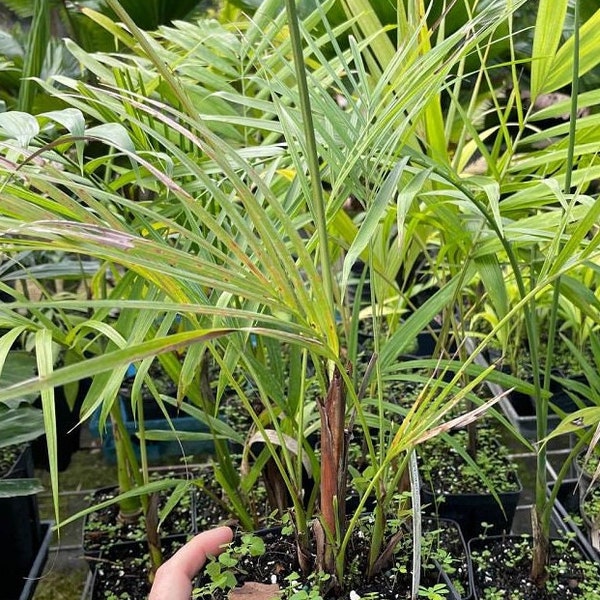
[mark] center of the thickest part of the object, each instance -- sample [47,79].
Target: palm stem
[541,517]
[318,203]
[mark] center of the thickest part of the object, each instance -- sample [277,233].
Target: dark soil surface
[210,509]
[104,527]
[447,471]
[279,564]
[123,572]
[501,570]
[8,457]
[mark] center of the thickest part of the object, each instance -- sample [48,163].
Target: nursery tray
[520,411]
[31,581]
[516,572]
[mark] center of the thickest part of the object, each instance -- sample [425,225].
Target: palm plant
[562,166]
[530,175]
[202,194]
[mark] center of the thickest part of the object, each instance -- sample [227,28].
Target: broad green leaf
[20,126]
[37,50]
[111,26]
[407,332]
[491,189]
[182,489]
[114,134]
[405,199]
[576,421]
[166,435]
[20,425]
[585,223]
[580,295]
[49,379]
[143,490]
[65,269]
[9,488]
[14,365]
[219,427]
[10,48]
[88,61]
[73,121]
[381,49]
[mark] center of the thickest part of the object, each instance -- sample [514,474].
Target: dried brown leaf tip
[252,590]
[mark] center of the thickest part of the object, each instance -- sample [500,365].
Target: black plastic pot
[471,510]
[567,515]
[519,408]
[484,580]
[21,533]
[584,475]
[591,524]
[520,411]
[432,524]
[121,564]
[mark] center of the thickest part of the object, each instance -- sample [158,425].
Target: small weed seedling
[221,570]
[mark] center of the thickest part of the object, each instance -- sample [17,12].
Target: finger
[173,580]
[191,557]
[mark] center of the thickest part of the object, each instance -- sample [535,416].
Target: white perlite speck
[354,595]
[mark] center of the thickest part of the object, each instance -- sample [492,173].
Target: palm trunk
[333,473]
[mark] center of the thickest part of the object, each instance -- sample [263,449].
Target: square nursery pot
[103,531]
[426,343]
[21,533]
[460,581]
[571,574]
[567,516]
[519,409]
[122,572]
[423,346]
[468,502]
[157,450]
[584,470]
[470,510]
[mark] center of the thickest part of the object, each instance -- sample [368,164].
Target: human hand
[173,579]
